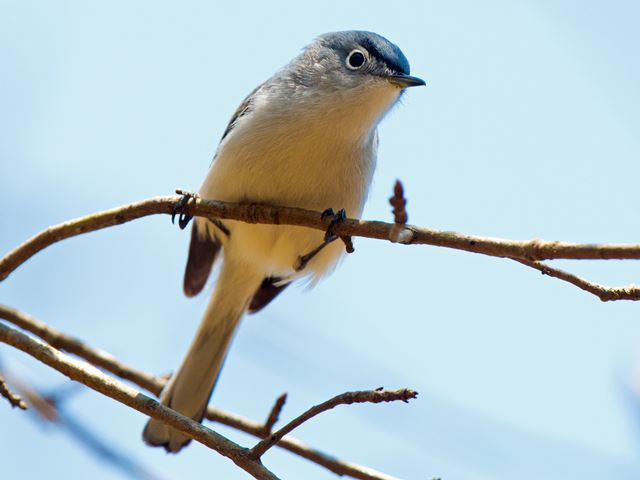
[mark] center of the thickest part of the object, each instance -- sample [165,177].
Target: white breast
[309,156]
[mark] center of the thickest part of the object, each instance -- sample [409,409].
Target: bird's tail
[190,387]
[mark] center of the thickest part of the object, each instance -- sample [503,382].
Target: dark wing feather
[202,253]
[265,293]
[245,107]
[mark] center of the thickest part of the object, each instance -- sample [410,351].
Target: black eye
[355,59]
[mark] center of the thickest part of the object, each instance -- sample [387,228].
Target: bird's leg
[303,260]
[329,237]
[178,209]
[336,218]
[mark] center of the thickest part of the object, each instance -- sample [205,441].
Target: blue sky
[528,128]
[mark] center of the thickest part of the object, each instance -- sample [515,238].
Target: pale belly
[314,177]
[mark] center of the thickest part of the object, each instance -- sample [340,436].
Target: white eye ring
[356,59]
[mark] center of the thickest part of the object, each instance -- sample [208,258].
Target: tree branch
[122,393]
[14,399]
[364,396]
[528,253]
[155,384]
[606,294]
[335,465]
[274,414]
[266,214]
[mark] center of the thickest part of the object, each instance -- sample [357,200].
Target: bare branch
[365,396]
[266,214]
[274,414]
[606,294]
[62,341]
[49,408]
[117,390]
[337,466]
[526,252]
[155,384]
[14,399]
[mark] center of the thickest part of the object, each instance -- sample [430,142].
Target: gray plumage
[307,138]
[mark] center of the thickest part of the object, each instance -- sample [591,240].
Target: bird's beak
[406,81]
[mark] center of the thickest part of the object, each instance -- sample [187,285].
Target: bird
[307,138]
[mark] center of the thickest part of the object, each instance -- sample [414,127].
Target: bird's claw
[178,209]
[336,218]
[329,237]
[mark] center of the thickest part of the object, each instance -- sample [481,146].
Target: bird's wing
[245,107]
[270,288]
[202,252]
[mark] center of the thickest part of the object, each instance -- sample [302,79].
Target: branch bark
[13,399]
[274,414]
[604,293]
[531,250]
[122,393]
[348,398]
[528,253]
[155,384]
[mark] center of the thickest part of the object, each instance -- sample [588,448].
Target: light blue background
[528,128]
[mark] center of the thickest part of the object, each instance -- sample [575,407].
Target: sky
[527,128]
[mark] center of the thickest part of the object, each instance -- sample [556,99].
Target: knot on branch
[253,214]
[260,213]
[535,250]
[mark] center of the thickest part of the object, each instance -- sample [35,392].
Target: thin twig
[365,396]
[331,463]
[267,214]
[49,408]
[14,399]
[62,341]
[604,293]
[45,407]
[98,381]
[154,385]
[274,414]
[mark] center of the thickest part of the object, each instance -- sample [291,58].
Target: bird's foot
[303,260]
[335,219]
[179,208]
[329,236]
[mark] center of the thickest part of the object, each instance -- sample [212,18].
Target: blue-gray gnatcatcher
[307,138]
